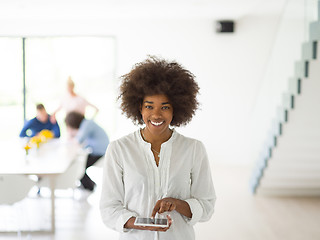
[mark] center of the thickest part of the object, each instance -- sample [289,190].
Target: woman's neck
[156,140]
[72,94]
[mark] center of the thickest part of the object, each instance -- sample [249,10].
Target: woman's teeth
[156,123]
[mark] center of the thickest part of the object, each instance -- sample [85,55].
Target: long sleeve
[27,126]
[202,191]
[92,136]
[56,130]
[36,126]
[84,131]
[133,183]
[113,212]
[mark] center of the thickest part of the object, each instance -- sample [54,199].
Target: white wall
[228,67]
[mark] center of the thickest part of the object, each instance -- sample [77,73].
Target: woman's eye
[165,107]
[149,107]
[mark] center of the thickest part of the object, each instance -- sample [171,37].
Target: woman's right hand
[130,225]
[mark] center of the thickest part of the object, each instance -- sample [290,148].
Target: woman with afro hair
[155,171]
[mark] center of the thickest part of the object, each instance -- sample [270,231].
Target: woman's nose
[156,113]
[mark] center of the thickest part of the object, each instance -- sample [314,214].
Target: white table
[49,160]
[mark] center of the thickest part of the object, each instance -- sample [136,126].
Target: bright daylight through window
[90,61]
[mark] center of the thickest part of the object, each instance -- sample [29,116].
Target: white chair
[70,177]
[13,189]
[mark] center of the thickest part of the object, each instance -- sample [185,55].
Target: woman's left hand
[164,205]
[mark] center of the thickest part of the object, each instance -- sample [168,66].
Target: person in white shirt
[156,171]
[73,102]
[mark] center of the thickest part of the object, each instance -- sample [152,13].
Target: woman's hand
[170,204]
[164,205]
[130,224]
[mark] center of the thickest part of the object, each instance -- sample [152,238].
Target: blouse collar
[142,141]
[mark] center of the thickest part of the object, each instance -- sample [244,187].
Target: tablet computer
[151,222]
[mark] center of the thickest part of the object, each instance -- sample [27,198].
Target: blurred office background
[242,74]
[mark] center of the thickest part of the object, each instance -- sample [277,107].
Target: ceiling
[216,9]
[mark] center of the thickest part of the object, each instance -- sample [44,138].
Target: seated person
[39,123]
[91,136]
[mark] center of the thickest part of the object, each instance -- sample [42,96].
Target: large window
[11,89]
[90,61]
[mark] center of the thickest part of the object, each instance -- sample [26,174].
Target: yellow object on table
[45,135]
[41,137]
[36,140]
[27,147]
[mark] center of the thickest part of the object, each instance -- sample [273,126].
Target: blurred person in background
[92,137]
[41,122]
[73,102]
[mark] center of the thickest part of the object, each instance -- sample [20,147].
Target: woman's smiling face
[157,113]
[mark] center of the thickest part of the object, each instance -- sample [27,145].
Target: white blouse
[133,183]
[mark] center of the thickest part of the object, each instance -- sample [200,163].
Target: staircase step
[294,85]
[316,52]
[281,117]
[318,10]
[287,101]
[301,69]
[308,51]
[314,31]
[290,161]
[276,128]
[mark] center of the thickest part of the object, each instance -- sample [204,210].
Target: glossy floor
[238,214]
